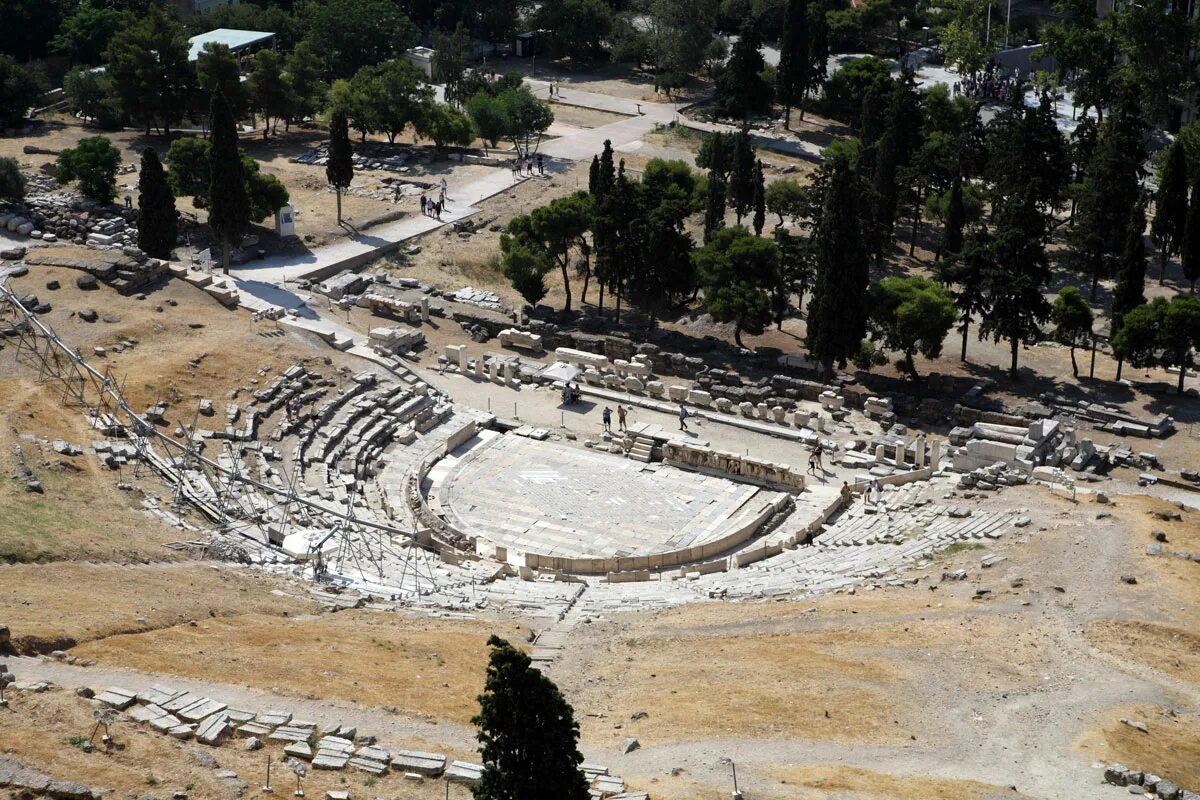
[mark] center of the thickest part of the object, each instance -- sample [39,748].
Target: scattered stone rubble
[127,269]
[329,745]
[1150,784]
[55,215]
[29,782]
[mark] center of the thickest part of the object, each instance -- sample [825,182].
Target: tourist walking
[877,491]
[541,168]
[812,463]
[606,416]
[621,412]
[445,190]
[816,453]
[683,415]
[424,203]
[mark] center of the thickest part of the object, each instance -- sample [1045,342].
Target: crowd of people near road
[992,85]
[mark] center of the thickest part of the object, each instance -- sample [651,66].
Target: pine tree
[1191,239]
[528,737]
[837,314]
[1128,294]
[228,203]
[759,202]
[791,76]
[1017,275]
[956,219]
[1170,207]
[339,169]
[158,223]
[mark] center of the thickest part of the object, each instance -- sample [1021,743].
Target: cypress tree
[818,53]
[528,736]
[1109,189]
[158,226]
[1191,239]
[714,205]
[837,314]
[1017,274]
[956,219]
[594,176]
[603,225]
[741,175]
[228,203]
[1170,207]
[791,76]
[339,169]
[894,154]
[760,201]
[969,272]
[608,174]
[1128,294]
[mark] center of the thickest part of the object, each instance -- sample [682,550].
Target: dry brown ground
[421,665]
[840,668]
[56,605]
[1170,748]
[826,780]
[38,730]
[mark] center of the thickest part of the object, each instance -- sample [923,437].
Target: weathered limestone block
[516,338]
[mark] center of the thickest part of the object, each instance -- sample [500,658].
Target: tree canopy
[528,736]
[93,162]
[738,271]
[911,315]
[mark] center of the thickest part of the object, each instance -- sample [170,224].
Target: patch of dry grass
[1170,748]
[1174,651]
[60,604]
[420,665]
[822,781]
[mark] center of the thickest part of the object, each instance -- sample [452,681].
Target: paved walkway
[283,268]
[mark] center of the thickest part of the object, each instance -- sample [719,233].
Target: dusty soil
[105,600]
[432,667]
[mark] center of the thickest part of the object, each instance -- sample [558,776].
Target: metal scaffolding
[223,491]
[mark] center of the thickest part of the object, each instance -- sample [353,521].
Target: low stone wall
[690,456]
[656,561]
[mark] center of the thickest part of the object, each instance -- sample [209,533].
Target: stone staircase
[643,447]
